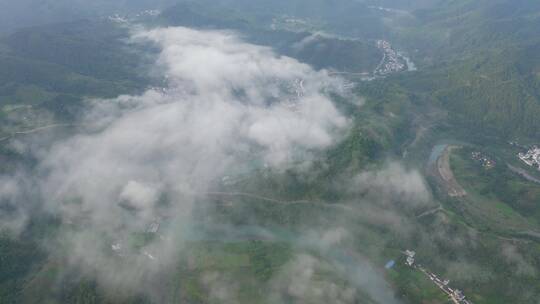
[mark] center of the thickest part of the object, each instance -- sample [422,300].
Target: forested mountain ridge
[58,65]
[26,13]
[481,62]
[347,17]
[462,27]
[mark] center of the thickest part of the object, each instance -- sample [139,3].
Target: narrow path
[276,201]
[430,212]
[348,73]
[36,130]
[43,128]
[255,196]
[523,174]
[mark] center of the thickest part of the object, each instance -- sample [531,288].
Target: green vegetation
[349,18]
[415,286]
[479,63]
[55,67]
[317,49]
[508,195]
[17,260]
[478,83]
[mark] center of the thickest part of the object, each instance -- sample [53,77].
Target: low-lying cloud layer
[146,158]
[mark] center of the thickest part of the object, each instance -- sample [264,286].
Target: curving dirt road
[440,169]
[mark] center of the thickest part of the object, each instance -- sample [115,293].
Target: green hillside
[321,229]
[480,62]
[56,66]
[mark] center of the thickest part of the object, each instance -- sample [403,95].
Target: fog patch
[468,272]
[14,206]
[393,184]
[389,198]
[302,282]
[126,189]
[514,258]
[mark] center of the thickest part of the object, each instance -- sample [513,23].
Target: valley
[237,151]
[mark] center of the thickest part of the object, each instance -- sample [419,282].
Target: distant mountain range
[17,14]
[481,62]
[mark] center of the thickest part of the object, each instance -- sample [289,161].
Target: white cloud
[513,257]
[393,184]
[301,282]
[13,215]
[226,101]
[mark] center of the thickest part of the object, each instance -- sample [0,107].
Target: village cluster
[124,19]
[455,295]
[531,157]
[484,159]
[291,23]
[392,61]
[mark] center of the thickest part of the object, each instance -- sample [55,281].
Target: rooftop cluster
[391,62]
[456,295]
[484,159]
[531,157]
